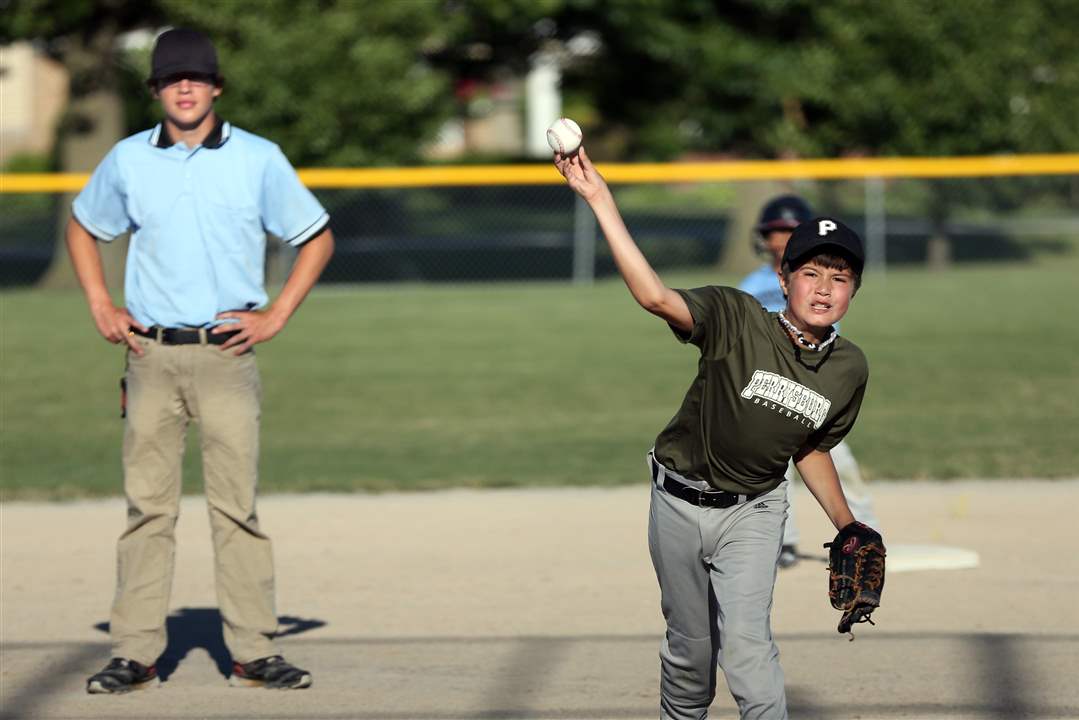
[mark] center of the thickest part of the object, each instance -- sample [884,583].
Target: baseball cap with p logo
[821,232]
[181,51]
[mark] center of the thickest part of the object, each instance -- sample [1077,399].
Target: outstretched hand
[581,174]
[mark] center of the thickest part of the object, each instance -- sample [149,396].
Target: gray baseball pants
[716,569]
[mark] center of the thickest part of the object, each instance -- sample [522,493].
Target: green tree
[82,34]
[770,78]
[333,83]
[781,78]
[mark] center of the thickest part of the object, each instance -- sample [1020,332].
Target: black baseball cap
[182,50]
[822,232]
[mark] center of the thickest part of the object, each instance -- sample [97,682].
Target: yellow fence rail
[629,173]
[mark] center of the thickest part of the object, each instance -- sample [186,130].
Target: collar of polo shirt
[217,137]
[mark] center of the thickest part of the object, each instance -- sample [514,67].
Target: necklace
[807,344]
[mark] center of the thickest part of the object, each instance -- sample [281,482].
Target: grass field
[974,373]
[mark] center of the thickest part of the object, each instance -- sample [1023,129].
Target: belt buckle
[726,499]
[708,493]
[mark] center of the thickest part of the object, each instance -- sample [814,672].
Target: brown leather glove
[855,574]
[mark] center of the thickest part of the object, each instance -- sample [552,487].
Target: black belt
[693,496]
[183,336]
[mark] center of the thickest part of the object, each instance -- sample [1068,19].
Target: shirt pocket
[235,230]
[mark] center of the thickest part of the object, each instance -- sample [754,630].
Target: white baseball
[564,136]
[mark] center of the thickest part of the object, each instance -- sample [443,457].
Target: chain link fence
[497,233]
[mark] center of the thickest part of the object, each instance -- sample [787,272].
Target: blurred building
[502,111]
[490,121]
[33,94]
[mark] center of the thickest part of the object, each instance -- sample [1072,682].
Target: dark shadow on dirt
[190,628]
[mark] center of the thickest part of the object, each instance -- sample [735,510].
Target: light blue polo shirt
[763,284]
[198,220]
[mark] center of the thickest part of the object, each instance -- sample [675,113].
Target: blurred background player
[777,221]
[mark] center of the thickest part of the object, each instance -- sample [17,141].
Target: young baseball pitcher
[769,387]
[776,222]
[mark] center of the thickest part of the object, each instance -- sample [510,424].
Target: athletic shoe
[269,672]
[122,675]
[788,556]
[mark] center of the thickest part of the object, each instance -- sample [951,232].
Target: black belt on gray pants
[183,336]
[693,496]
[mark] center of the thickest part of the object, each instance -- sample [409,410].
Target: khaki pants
[167,387]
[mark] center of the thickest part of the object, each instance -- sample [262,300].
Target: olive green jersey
[757,398]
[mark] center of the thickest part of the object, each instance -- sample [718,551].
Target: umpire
[198,197]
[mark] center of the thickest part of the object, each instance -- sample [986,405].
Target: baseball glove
[855,574]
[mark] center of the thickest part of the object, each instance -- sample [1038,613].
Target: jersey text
[793,396]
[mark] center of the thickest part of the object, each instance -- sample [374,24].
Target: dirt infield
[543,604]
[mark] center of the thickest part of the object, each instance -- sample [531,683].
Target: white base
[905,558]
